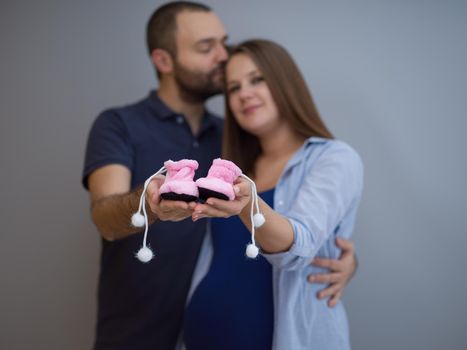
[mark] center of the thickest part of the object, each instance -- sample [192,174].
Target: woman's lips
[250,109]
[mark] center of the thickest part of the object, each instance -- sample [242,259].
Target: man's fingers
[159,179]
[331,290]
[156,183]
[169,205]
[324,278]
[152,192]
[331,264]
[173,210]
[345,244]
[334,299]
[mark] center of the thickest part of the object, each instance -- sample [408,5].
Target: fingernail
[209,202]
[311,278]
[236,189]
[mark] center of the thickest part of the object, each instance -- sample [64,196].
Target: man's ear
[162,60]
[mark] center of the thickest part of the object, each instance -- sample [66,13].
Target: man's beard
[197,87]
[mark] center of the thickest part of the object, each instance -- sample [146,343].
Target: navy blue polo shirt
[140,306]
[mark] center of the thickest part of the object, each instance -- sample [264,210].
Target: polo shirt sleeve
[329,191]
[108,143]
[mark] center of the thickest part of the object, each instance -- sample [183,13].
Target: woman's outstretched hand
[219,208]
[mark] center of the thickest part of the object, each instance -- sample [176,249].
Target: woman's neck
[276,151]
[280,144]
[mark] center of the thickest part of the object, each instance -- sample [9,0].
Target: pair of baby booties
[179,185]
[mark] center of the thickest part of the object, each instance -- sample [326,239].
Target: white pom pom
[137,220]
[145,255]
[252,251]
[258,220]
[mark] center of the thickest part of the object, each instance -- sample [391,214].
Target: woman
[310,185]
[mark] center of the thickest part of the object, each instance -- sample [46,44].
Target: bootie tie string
[257,219]
[140,219]
[145,254]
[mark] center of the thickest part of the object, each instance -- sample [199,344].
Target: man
[141,305]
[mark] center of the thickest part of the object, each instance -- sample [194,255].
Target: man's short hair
[161,27]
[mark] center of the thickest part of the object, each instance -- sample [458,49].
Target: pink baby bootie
[220,179]
[179,184]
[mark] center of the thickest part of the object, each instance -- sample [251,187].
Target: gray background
[389,77]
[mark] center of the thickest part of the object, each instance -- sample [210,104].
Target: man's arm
[340,272]
[113,204]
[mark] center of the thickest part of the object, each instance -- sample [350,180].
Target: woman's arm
[329,188]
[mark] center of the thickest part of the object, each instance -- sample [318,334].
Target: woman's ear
[162,60]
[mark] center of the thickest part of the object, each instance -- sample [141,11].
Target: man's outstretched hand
[166,210]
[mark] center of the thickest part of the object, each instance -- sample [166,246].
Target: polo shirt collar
[163,111]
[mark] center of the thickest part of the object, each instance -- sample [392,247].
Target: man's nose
[222,55]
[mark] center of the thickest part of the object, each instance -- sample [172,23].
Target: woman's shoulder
[332,149]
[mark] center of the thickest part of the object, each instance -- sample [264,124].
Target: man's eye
[205,49]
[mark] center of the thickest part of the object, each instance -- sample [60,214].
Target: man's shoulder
[131,115]
[127,110]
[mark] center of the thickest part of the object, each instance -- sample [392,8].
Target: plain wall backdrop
[389,77]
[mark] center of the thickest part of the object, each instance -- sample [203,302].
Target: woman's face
[249,96]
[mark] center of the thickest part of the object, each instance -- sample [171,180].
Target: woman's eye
[233,88]
[256,80]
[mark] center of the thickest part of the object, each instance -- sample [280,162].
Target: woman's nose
[245,92]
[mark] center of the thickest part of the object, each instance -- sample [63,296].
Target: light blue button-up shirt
[318,192]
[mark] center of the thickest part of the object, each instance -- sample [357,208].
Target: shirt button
[281,202]
[179,120]
[195,144]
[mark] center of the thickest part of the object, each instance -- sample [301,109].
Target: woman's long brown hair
[290,94]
